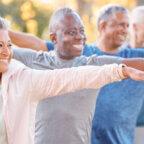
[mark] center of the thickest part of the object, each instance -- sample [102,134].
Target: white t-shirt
[3,136]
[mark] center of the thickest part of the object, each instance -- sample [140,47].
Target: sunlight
[46,1]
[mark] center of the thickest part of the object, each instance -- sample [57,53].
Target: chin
[120,43]
[3,69]
[78,53]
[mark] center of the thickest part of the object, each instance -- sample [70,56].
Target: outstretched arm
[137,63]
[59,81]
[55,82]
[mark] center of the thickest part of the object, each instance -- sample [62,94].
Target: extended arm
[55,82]
[137,63]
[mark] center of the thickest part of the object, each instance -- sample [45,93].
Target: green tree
[20,12]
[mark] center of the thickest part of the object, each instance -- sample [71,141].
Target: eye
[82,31]
[72,33]
[9,45]
[1,45]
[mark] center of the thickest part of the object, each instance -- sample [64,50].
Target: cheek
[11,55]
[67,42]
[110,31]
[109,34]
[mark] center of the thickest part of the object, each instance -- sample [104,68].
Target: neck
[135,44]
[104,46]
[63,56]
[133,40]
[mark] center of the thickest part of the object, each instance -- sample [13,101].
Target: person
[136,27]
[22,87]
[111,124]
[41,57]
[137,41]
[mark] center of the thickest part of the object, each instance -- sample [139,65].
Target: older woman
[22,88]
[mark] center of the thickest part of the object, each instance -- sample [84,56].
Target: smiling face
[139,34]
[115,29]
[5,50]
[69,37]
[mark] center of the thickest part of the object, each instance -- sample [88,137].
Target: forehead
[71,21]
[120,17]
[4,37]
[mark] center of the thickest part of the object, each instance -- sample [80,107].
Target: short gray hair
[57,16]
[108,10]
[4,24]
[137,15]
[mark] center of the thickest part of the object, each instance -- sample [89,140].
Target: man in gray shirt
[64,120]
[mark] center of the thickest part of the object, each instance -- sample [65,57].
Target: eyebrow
[74,28]
[7,41]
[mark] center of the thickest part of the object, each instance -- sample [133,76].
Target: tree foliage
[33,15]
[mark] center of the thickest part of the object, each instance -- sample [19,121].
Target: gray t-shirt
[65,119]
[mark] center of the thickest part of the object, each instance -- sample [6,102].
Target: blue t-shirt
[118,105]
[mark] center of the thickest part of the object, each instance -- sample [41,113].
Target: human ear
[101,26]
[53,37]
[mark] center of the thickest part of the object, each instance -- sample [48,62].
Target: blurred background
[33,15]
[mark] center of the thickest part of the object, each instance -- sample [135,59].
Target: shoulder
[90,49]
[49,45]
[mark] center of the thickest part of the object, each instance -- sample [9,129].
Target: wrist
[123,71]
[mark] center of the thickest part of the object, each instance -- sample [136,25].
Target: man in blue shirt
[115,118]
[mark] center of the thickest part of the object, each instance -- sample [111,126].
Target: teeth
[79,46]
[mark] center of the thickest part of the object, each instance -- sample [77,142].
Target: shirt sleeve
[25,56]
[50,45]
[135,52]
[101,60]
[59,81]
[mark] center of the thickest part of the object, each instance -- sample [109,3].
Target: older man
[115,123]
[137,27]
[137,41]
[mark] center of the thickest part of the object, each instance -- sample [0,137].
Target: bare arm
[27,41]
[137,63]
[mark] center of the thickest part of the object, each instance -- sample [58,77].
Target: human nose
[124,29]
[5,51]
[81,36]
